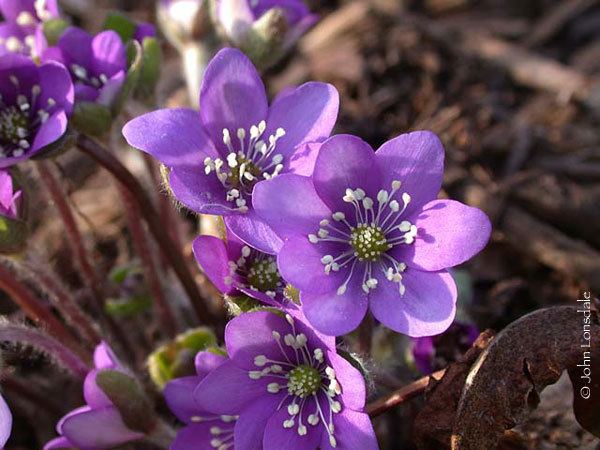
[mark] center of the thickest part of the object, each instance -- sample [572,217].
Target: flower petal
[278,437]
[254,231]
[351,380]
[5,422]
[56,84]
[449,233]
[250,427]
[353,431]
[302,161]
[59,442]
[228,390]
[201,193]
[93,394]
[307,114]
[251,334]
[98,428]
[232,95]
[109,53]
[105,358]
[206,361]
[52,129]
[290,205]
[299,263]
[417,160]
[345,162]
[334,314]
[211,254]
[173,136]
[76,47]
[427,307]
[179,395]
[196,436]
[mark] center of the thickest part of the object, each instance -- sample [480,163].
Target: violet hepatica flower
[21,31]
[5,422]
[98,425]
[367,229]
[235,268]
[238,17]
[35,102]
[204,430]
[216,156]
[428,351]
[9,198]
[288,386]
[98,64]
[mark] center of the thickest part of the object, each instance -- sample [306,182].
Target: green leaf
[127,307]
[134,58]
[91,118]
[129,398]
[150,70]
[121,24]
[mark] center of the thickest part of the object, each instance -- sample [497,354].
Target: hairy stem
[399,396]
[60,297]
[36,310]
[54,347]
[103,157]
[78,248]
[143,249]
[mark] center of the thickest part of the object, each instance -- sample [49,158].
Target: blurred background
[512,87]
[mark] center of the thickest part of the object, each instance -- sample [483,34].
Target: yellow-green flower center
[263,274]
[304,381]
[368,242]
[14,126]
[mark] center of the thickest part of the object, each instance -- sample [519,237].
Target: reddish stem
[37,311]
[399,396]
[142,246]
[75,240]
[103,157]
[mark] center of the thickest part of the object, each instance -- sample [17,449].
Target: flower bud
[126,394]
[176,359]
[183,21]
[13,226]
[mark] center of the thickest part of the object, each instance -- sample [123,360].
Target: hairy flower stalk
[36,310]
[63,355]
[103,157]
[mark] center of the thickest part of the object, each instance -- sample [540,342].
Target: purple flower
[21,32]
[5,422]
[233,267]
[426,350]
[35,102]
[204,430]
[98,64]
[98,425]
[288,386]
[367,229]
[239,16]
[216,156]
[9,198]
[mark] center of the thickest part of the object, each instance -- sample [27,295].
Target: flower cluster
[350,228]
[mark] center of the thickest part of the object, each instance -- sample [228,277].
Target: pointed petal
[211,253]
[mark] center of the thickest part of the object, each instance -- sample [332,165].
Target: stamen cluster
[247,162]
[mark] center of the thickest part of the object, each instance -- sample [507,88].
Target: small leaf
[150,70]
[91,118]
[53,30]
[121,24]
[129,398]
[134,58]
